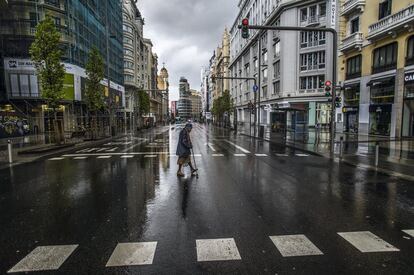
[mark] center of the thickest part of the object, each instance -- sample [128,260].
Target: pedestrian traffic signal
[328,88]
[245,29]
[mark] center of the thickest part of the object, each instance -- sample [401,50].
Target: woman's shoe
[180,174]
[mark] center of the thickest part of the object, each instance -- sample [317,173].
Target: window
[355,25]
[264,91]
[312,82]
[127,40]
[256,63]
[385,58]
[276,88]
[265,56]
[303,15]
[276,70]
[384,8]
[312,39]
[312,61]
[276,47]
[322,9]
[128,52]
[410,51]
[128,65]
[34,18]
[265,75]
[127,28]
[353,67]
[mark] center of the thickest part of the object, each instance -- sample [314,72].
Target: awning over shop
[381,81]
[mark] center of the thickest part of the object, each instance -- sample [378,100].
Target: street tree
[95,71]
[46,54]
[223,105]
[143,103]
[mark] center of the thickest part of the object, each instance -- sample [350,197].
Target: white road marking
[101,150]
[295,246]
[302,155]
[366,242]
[240,155]
[104,157]
[282,155]
[79,158]
[217,250]
[56,159]
[238,147]
[217,155]
[211,147]
[112,150]
[115,154]
[409,232]
[150,156]
[127,254]
[44,258]
[127,157]
[260,155]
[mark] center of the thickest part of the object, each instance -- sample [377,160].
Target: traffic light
[245,30]
[338,101]
[328,88]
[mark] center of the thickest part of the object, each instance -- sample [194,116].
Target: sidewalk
[396,157]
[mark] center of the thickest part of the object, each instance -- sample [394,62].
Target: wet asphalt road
[127,192]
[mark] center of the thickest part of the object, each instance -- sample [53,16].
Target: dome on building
[164,72]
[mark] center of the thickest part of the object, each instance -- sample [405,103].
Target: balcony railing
[352,5]
[313,20]
[352,41]
[391,23]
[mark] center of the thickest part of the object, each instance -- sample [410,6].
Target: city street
[256,208]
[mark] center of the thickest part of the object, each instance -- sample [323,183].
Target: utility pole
[259,74]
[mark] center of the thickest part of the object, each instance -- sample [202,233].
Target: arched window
[409,60]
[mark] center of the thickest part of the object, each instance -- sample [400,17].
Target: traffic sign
[255,88]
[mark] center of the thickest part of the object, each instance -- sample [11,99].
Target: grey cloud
[186,32]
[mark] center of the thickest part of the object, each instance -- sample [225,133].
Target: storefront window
[380,119]
[323,113]
[382,94]
[351,95]
[410,52]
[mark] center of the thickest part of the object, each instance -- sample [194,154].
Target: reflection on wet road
[256,208]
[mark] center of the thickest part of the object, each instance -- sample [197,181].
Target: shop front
[323,114]
[408,111]
[350,109]
[380,110]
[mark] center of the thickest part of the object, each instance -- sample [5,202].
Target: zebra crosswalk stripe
[127,254]
[366,242]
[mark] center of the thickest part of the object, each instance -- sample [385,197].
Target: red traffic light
[328,83]
[245,22]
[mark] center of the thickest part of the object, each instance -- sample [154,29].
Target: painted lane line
[80,158]
[127,157]
[115,154]
[282,155]
[101,150]
[238,147]
[150,156]
[53,159]
[295,246]
[217,155]
[104,157]
[127,254]
[112,150]
[217,250]
[44,258]
[367,242]
[240,155]
[409,232]
[302,155]
[260,155]
[211,147]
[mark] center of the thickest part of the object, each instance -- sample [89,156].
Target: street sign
[255,88]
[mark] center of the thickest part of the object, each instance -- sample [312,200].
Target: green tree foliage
[222,105]
[46,54]
[144,102]
[95,70]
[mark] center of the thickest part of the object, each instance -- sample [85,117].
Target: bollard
[341,147]
[376,154]
[9,149]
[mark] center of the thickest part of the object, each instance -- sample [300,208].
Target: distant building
[163,86]
[184,103]
[196,104]
[150,84]
[173,109]
[221,66]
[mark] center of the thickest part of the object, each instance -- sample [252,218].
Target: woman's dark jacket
[184,144]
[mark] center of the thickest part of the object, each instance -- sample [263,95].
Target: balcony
[391,24]
[313,20]
[352,41]
[351,6]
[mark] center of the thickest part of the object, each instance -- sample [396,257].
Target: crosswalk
[152,155]
[52,257]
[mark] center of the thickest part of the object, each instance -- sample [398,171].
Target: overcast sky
[185,33]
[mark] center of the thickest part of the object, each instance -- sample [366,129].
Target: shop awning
[381,81]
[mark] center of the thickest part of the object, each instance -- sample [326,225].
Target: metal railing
[354,40]
[391,21]
[350,5]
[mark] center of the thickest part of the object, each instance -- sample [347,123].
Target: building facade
[196,105]
[82,24]
[163,87]
[221,66]
[134,66]
[294,65]
[184,107]
[376,67]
